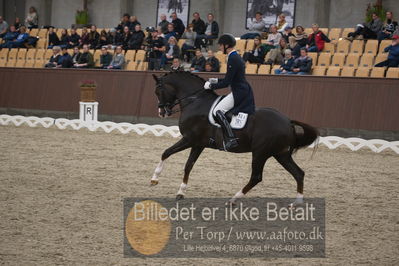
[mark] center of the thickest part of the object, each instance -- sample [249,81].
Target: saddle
[236,121]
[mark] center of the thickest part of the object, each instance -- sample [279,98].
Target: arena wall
[326,102]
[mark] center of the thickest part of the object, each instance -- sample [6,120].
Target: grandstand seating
[338,58]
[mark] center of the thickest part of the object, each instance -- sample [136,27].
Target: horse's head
[166,97]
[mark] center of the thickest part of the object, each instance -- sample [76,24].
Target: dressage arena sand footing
[62,190]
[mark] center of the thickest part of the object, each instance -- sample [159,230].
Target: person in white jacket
[282,24]
[257,26]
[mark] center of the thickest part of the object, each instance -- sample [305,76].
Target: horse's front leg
[192,158]
[177,147]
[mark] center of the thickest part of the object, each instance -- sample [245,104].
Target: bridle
[168,107]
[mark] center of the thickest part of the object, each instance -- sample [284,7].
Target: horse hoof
[179,197]
[154,182]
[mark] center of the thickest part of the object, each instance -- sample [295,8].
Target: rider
[240,99]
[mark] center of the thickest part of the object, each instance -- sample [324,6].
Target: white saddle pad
[237,121]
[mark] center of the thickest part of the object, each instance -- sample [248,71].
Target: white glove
[213,80]
[207,85]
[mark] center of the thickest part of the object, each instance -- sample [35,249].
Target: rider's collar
[231,53]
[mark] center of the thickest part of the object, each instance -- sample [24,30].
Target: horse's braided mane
[182,72]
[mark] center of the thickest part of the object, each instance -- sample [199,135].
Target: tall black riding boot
[230,141]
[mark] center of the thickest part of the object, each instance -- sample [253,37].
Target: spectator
[65,60]
[171,32]
[52,38]
[163,24]
[257,26]
[103,41]
[211,32]
[198,23]
[85,59]
[282,24]
[32,19]
[257,54]
[393,56]
[114,38]
[367,30]
[73,39]
[178,24]
[276,55]
[119,59]
[64,40]
[160,33]
[53,62]
[157,47]
[273,39]
[302,65]
[189,44]
[299,41]
[171,51]
[287,64]
[198,62]
[10,36]
[316,40]
[133,22]
[125,22]
[213,61]
[84,39]
[287,34]
[19,42]
[17,23]
[176,66]
[388,28]
[94,37]
[208,67]
[76,55]
[126,38]
[105,58]
[137,39]
[3,27]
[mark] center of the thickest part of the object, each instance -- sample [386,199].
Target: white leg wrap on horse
[299,198]
[182,189]
[158,170]
[238,195]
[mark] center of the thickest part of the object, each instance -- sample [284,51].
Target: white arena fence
[331,142]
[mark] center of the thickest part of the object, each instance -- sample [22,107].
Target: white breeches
[225,105]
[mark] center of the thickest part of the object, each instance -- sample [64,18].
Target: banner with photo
[271,9]
[167,7]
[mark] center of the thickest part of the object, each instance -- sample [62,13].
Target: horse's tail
[309,135]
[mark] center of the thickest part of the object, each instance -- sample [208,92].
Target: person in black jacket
[114,38]
[172,50]
[163,23]
[65,60]
[94,37]
[103,41]
[64,40]
[257,54]
[53,62]
[137,38]
[199,24]
[105,58]
[133,22]
[178,24]
[302,65]
[287,64]
[125,21]
[211,32]
[198,62]
[126,38]
[73,39]
[76,55]
[213,61]
[52,38]
[241,98]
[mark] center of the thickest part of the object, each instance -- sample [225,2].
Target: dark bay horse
[267,133]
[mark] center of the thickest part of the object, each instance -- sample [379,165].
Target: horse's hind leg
[288,163]
[258,163]
[177,147]
[192,158]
